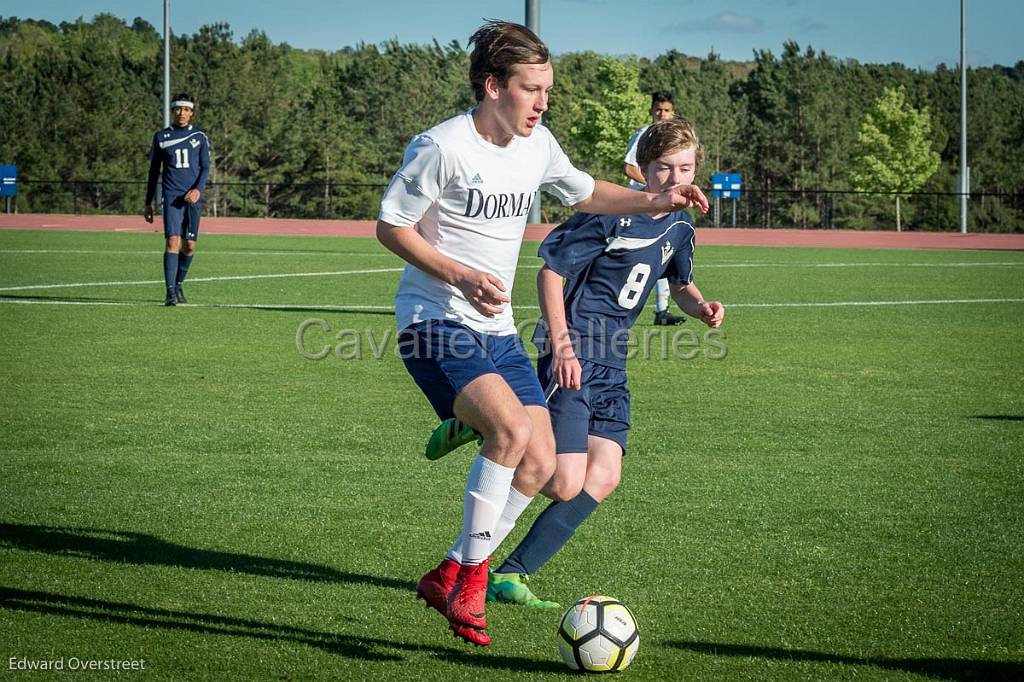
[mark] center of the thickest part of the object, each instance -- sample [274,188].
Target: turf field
[840,497]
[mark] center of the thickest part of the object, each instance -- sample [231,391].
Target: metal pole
[964,179]
[167,63]
[533,15]
[533,23]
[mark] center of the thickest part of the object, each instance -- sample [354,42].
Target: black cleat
[664,318]
[171,299]
[179,295]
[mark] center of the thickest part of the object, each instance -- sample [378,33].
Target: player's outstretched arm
[565,367]
[612,199]
[484,291]
[689,298]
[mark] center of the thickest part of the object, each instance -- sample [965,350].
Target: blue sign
[727,186]
[8,181]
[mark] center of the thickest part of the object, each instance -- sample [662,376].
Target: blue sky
[918,33]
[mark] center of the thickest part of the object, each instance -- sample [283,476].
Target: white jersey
[469,199]
[631,155]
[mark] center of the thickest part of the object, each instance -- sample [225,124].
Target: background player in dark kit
[183,152]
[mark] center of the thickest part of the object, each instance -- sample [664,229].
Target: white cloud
[725,22]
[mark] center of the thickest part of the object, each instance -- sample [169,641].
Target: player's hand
[565,366]
[684,196]
[711,313]
[192,196]
[147,213]
[484,291]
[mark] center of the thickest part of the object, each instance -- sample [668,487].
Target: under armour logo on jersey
[625,222]
[476,179]
[666,252]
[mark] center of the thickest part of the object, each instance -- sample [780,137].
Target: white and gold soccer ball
[598,634]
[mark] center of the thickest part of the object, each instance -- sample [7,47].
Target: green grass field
[841,497]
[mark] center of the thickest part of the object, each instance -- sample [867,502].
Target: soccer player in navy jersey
[183,152]
[609,265]
[662,109]
[456,213]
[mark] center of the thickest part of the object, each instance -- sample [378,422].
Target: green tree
[309,133]
[894,151]
[717,119]
[606,123]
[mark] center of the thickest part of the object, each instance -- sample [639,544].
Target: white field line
[156,252]
[840,304]
[724,264]
[69,285]
[861,265]
[28,287]
[343,308]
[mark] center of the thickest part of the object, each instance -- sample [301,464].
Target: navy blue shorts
[600,408]
[444,356]
[182,218]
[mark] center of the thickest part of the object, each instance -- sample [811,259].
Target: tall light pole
[167,63]
[965,171]
[533,23]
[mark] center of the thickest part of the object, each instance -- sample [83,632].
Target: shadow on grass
[139,548]
[327,309]
[957,669]
[1001,417]
[86,300]
[362,648]
[76,299]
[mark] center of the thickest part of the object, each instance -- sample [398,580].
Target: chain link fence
[777,208]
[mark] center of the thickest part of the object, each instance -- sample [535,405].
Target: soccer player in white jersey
[456,212]
[662,109]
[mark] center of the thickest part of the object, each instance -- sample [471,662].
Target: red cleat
[471,635]
[467,600]
[435,586]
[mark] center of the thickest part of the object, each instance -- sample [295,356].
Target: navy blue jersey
[184,154]
[611,264]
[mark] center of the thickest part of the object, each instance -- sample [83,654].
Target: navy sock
[548,534]
[170,269]
[183,264]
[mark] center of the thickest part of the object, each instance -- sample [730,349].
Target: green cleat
[450,435]
[511,588]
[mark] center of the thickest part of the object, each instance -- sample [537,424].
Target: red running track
[836,239]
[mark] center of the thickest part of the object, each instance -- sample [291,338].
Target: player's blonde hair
[497,47]
[666,137]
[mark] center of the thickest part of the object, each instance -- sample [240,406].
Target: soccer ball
[598,634]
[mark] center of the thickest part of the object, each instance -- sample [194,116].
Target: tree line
[312,133]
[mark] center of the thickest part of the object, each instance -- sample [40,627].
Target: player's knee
[564,489]
[536,469]
[511,435]
[188,248]
[601,482]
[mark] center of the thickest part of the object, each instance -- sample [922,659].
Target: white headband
[182,103]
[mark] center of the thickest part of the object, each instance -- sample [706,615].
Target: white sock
[661,292]
[487,490]
[514,507]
